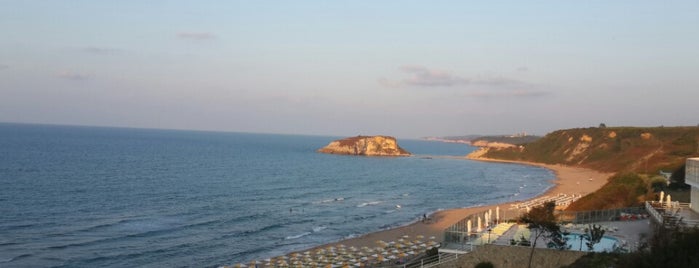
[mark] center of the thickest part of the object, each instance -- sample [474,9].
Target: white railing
[654,213]
[673,210]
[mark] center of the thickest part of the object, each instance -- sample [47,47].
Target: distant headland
[365,145]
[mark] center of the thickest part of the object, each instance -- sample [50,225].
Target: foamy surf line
[372,203]
[316,229]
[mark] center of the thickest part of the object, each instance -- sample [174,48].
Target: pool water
[607,243]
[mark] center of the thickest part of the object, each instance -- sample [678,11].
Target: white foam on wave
[350,236]
[319,228]
[297,236]
[338,199]
[372,203]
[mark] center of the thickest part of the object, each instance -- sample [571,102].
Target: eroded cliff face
[365,145]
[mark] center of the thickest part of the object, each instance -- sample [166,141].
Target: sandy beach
[569,180]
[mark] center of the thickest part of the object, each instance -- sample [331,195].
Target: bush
[485,264]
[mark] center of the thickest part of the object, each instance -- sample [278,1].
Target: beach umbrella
[669,201]
[662,195]
[432,238]
[468,226]
[478,228]
[239,265]
[490,215]
[420,237]
[497,214]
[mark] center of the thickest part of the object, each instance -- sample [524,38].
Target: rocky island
[365,145]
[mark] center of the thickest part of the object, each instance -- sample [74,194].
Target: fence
[601,215]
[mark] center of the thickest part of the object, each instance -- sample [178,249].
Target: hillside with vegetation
[637,156]
[613,149]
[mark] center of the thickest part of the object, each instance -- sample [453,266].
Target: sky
[402,68]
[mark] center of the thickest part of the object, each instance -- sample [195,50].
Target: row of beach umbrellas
[344,256]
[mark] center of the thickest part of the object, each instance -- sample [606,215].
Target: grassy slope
[619,149]
[625,150]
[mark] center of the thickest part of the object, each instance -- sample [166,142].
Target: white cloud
[421,76]
[480,87]
[198,36]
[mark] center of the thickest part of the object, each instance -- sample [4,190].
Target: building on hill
[692,178]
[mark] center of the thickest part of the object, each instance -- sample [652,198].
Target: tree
[602,125]
[542,223]
[593,235]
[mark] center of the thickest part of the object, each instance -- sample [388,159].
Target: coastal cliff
[365,145]
[608,149]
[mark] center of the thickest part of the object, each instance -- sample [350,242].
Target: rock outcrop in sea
[365,145]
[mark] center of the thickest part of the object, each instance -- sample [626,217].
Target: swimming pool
[607,243]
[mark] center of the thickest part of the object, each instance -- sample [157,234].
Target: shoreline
[568,180]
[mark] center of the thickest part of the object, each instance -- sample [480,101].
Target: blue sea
[118,197]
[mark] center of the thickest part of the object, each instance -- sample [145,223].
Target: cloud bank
[482,87]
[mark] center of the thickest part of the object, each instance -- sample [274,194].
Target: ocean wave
[325,201]
[140,229]
[291,237]
[126,256]
[264,229]
[372,203]
[15,258]
[350,236]
[319,228]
